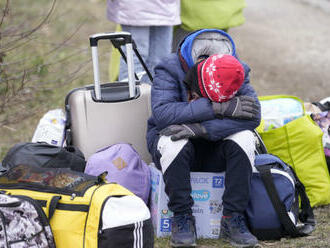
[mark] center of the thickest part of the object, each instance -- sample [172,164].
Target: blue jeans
[153,43]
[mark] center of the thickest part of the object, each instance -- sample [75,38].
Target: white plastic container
[51,128]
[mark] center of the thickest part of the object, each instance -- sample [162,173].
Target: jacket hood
[185,49]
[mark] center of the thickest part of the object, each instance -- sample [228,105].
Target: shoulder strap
[118,43]
[323,106]
[306,216]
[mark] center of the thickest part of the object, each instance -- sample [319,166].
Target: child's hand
[241,107]
[184,131]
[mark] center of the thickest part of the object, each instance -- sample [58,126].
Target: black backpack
[44,155]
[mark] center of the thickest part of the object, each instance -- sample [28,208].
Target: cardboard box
[207,191]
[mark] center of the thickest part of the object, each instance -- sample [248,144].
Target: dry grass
[69,27]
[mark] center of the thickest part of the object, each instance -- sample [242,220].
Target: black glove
[241,107]
[184,131]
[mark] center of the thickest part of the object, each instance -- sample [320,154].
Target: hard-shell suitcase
[102,115]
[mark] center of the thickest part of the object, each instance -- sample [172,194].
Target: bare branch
[22,81]
[24,35]
[5,12]
[56,48]
[31,66]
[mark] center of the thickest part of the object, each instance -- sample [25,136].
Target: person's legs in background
[140,35]
[160,44]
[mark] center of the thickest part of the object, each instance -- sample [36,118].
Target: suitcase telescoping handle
[127,38]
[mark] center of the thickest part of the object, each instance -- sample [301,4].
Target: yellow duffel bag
[83,211]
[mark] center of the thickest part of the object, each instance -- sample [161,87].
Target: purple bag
[124,166]
[323,121]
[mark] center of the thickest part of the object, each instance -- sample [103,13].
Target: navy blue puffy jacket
[170,104]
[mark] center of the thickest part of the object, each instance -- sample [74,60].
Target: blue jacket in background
[169,99]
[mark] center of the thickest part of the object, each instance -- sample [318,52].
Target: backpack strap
[306,216]
[323,106]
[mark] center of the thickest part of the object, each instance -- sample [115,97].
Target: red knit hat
[220,77]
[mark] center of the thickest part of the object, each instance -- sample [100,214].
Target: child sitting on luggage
[205,124]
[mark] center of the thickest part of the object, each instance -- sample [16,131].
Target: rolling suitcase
[104,114]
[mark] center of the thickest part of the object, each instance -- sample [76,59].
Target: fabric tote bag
[295,138]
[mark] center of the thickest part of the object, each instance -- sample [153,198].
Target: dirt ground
[286,43]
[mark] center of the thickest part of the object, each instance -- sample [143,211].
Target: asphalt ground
[287,45]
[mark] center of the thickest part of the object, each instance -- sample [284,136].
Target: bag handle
[117,39]
[93,40]
[306,215]
[52,206]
